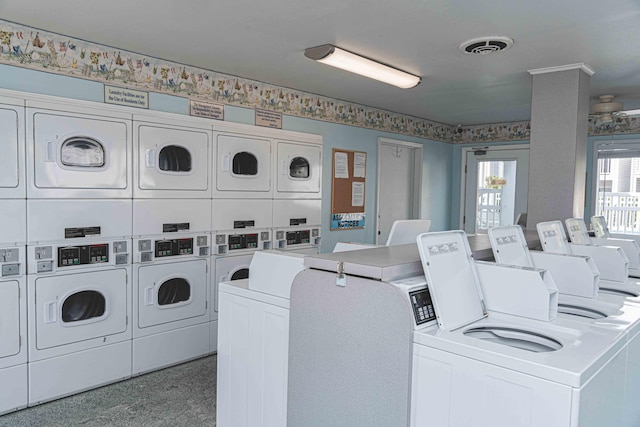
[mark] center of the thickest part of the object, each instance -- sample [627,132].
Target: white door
[72,153]
[298,169]
[243,166]
[12,162]
[496,186]
[172,159]
[399,183]
[172,291]
[76,307]
[9,318]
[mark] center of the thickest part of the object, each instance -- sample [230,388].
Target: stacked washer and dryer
[108,266]
[13,237]
[171,240]
[78,247]
[266,195]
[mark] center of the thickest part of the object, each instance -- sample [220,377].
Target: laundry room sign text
[123,96]
[206,109]
[267,118]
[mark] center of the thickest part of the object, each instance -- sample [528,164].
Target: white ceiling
[265,41]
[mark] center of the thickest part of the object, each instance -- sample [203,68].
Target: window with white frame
[616,192]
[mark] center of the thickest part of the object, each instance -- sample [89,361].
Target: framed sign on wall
[348,183]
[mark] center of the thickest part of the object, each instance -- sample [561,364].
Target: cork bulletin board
[348,183]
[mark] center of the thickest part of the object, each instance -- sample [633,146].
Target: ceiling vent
[486,45]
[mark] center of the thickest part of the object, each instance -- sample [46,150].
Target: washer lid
[553,238]
[452,278]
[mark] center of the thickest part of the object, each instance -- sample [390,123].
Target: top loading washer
[550,372]
[298,168]
[171,156]
[12,162]
[243,162]
[77,150]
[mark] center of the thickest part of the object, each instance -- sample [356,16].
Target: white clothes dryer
[298,167]
[171,282]
[172,156]
[226,268]
[78,149]
[297,225]
[243,157]
[12,161]
[79,293]
[13,306]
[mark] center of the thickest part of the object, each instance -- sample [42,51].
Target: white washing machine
[78,149]
[611,261]
[298,167]
[12,161]
[79,293]
[13,306]
[171,247]
[580,235]
[505,370]
[609,311]
[172,157]
[297,225]
[242,162]
[226,268]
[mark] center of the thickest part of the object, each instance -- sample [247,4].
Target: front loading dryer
[298,168]
[77,149]
[171,282]
[242,162]
[12,160]
[172,157]
[79,293]
[226,268]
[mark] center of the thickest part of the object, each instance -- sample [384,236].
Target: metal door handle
[49,152]
[150,158]
[225,163]
[148,295]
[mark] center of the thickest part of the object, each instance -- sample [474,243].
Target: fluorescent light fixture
[340,58]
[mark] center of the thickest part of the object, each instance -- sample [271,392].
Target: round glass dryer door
[83,305]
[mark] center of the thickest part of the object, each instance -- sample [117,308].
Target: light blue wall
[437,156]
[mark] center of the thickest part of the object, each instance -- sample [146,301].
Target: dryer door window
[174,158]
[83,305]
[245,163]
[82,152]
[243,273]
[174,291]
[299,168]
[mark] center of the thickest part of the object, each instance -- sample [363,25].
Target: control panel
[47,259]
[81,255]
[149,249]
[297,237]
[422,305]
[174,247]
[233,241]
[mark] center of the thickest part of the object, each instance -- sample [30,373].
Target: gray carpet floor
[183,395]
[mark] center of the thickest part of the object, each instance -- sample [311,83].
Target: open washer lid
[578,231]
[553,238]
[509,246]
[452,278]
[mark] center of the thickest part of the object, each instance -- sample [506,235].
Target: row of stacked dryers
[117,224]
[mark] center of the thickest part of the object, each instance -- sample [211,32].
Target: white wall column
[558,149]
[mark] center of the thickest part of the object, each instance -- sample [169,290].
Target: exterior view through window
[617,185]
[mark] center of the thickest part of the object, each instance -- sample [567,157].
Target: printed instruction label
[206,109]
[269,119]
[128,97]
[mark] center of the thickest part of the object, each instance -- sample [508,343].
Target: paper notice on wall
[341,165]
[357,194]
[359,164]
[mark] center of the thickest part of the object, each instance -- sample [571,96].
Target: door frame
[463,172]
[417,175]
